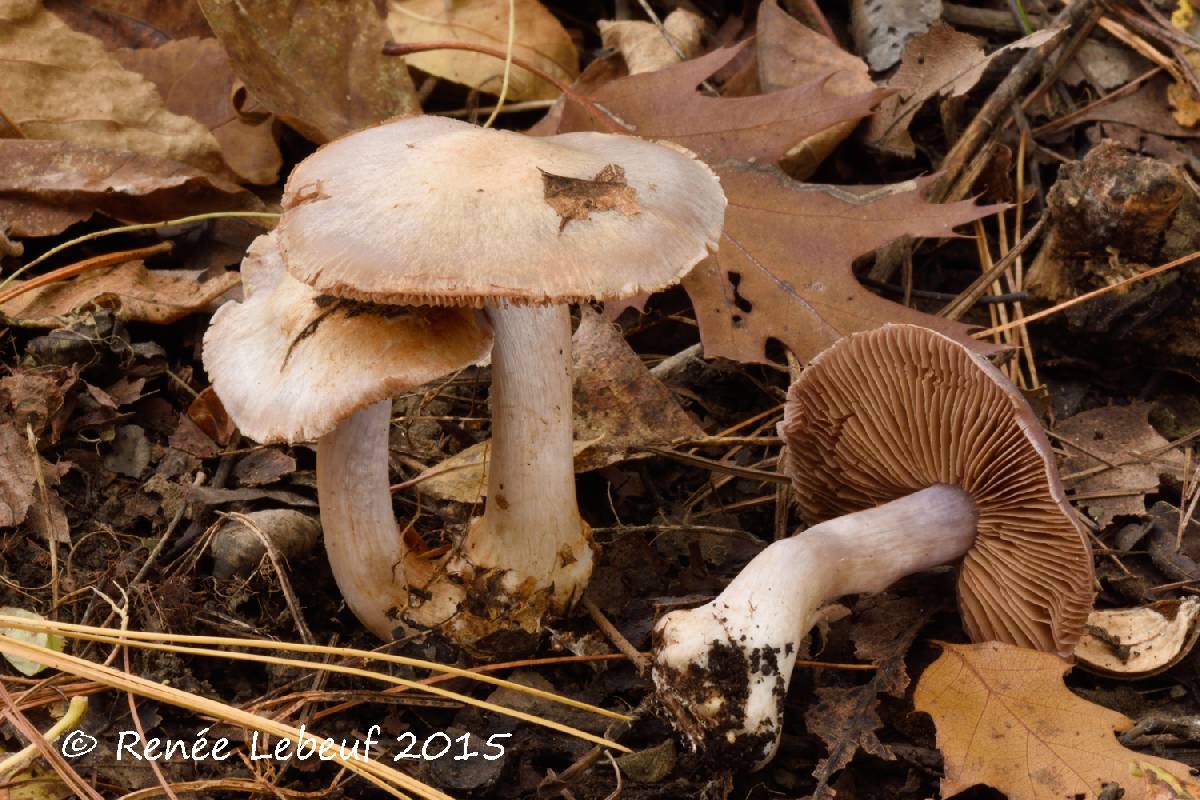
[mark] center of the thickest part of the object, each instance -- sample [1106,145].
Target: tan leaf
[133,292]
[59,84]
[194,78]
[47,186]
[540,40]
[619,408]
[133,23]
[942,62]
[792,54]
[318,64]
[645,48]
[784,266]
[16,476]
[1005,719]
[1117,435]
[1138,642]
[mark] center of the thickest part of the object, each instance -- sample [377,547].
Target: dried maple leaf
[1005,718]
[540,39]
[59,84]
[318,64]
[784,267]
[47,186]
[1121,436]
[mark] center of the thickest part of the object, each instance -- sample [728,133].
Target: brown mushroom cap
[429,210]
[885,413]
[289,364]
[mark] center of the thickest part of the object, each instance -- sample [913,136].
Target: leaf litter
[133,461]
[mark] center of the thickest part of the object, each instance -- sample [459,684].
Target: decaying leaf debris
[949,165]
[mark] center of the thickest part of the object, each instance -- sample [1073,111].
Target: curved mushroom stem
[366,549]
[531,531]
[754,627]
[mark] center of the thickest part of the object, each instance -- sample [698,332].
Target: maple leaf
[1005,718]
[784,266]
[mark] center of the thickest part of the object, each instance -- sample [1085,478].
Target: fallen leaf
[194,78]
[1143,110]
[540,40]
[619,408]
[263,466]
[131,291]
[59,84]
[792,54]
[784,267]
[882,28]
[130,454]
[784,270]
[50,640]
[760,128]
[847,718]
[1139,642]
[133,23]
[1005,719]
[645,47]
[37,397]
[17,477]
[1116,435]
[210,415]
[317,64]
[45,187]
[940,62]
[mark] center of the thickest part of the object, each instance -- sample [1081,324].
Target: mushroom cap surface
[434,211]
[890,411]
[289,364]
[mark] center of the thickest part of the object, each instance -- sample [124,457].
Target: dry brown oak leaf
[1005,719]
[784,266]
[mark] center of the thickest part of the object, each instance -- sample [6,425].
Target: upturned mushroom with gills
[433,212]
[906,451]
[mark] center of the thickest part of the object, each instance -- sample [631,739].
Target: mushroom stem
[759,621]
[531,528]
[531,537]
[365,547]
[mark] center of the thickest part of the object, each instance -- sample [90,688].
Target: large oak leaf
[784,267]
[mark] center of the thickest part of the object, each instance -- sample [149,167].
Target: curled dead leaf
[1139,642]
[540,39]
[131,291]
[645,47]
[195,79]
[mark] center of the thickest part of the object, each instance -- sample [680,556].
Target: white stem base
[723,668]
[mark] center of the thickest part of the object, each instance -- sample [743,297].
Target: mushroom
[291,365]
[906,451]
[429,211]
